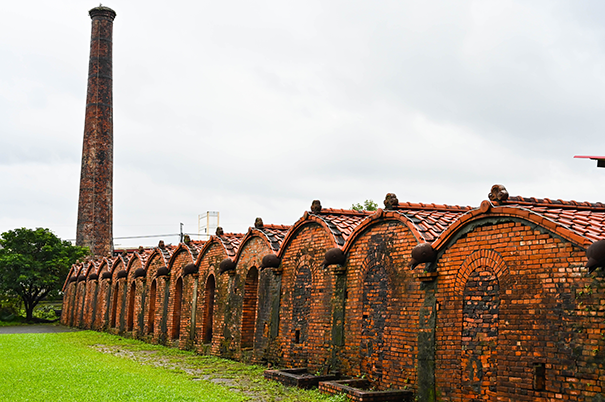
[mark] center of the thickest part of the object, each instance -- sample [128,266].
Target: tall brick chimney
[95,207]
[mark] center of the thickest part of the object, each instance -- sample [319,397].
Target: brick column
[95,207]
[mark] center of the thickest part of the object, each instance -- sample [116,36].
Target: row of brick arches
[503,309]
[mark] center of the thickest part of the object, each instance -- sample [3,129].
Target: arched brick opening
[478,362]
[375,300]
[130,316]
[249,308]
[114,305]
[301,311]
[209,309]
[176,312]
[151,313]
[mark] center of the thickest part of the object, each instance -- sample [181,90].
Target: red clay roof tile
[583,218]
[431,220]
[342,222]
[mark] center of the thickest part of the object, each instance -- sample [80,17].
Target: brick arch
[181,249]
[480,258]
[380,217]
[306,220]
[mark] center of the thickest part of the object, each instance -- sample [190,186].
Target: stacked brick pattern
[505,311]
[95,206]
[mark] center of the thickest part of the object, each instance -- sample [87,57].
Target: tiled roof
[167,251]
[341,222]
[431,219]
[274,233]
[195,246]
[583,218]
[231,242]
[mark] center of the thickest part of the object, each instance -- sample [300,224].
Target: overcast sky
[257,108]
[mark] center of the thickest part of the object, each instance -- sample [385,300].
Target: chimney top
[102,11]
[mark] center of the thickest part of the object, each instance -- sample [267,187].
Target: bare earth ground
[35,329]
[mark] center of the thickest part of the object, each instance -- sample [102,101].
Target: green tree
[368,205]
[35,263]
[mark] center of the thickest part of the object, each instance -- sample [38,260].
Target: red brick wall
[208,264]
[243,300]
[117,299]
[103,302]
[133,308]
[183,313]
[509,300]
[382,307]
[513,315]
[305,309]
[90,303]
[154,317]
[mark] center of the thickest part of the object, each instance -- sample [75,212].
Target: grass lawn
[93,366]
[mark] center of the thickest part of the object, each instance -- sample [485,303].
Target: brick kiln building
[455,303]
[501,302]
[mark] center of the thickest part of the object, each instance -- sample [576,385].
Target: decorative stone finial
[270,261]
[141,249]
[498,194]
[219,231]
[186,239]
[316,206]
[421,253]
[226,265]
[161,244]
[390,201]
[596,255]
[258,223]
[334,256]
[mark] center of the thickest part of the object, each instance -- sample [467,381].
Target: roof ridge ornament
[316,206]
[498,194]
[391,201]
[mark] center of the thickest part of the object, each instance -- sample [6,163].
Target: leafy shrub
[46,312]
[9,307]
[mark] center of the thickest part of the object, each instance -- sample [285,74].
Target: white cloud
[256,109]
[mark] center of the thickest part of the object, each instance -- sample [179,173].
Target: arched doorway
[151,312]
[249,308]
[208,309]
[176,312]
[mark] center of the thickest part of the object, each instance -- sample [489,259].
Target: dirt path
[198,368]
[35,329]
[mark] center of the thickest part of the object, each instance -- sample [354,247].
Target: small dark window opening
[297,336]
[539,376]
[266,331]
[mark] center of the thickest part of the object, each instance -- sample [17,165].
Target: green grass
[70,367]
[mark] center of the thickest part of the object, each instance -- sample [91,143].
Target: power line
[143,237]
[149,236]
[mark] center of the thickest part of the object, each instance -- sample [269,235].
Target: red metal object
[600,159]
